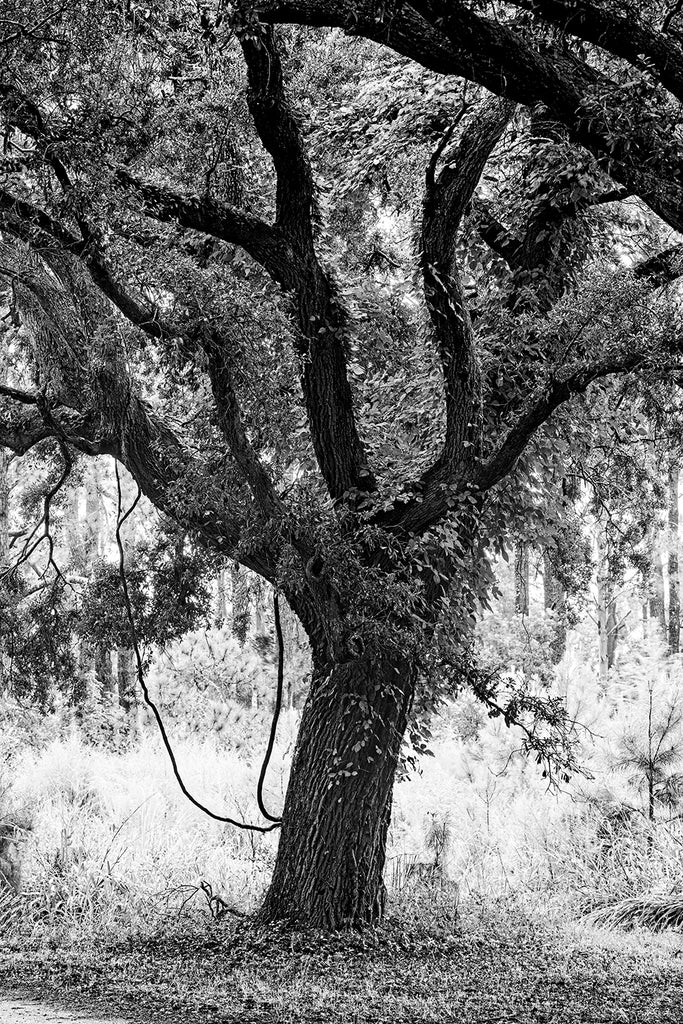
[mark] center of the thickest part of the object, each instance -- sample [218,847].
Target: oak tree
[339,305]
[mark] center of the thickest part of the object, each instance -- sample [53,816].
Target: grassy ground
[113,918]
[492,962]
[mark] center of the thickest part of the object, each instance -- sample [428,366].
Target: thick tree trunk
[330,862]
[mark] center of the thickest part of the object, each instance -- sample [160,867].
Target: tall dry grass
[115,850]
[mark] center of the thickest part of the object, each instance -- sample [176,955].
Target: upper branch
[446,199]
[42,231]
[264,242]
[280,134]
[450,37]
[496,235]
[548,397]
[44,234]
[620,34]
[323,325]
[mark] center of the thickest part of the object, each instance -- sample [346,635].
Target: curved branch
[264,242]
[620,34]
[548,397]
[449,37]
[499,240]
[446,199]
[38,225]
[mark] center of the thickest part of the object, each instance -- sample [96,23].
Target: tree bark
[674,582]
[522,579]
[657,610]
[555,600]
[330,864]
[127,687]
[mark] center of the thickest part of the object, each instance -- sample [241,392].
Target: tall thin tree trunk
[608,625]
[603,628]
[674,582]
[104,673]
[330,863]
[221,596]
[657,610]
[522,579]
[612,630]
[555,600]
[126,680]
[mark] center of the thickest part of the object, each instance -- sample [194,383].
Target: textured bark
[330,864]
[555,599]
[657,606]
[674,630]
[522,579]
[127,686]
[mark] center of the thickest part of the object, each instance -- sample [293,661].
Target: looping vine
[121,518]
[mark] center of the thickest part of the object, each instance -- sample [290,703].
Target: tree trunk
[555,600]
[674,584]
[657,611]
[330,862]
[104,673]
[608,624]
[522,579]
[603,635]
[126,678]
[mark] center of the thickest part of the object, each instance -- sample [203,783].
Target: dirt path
[28,1011]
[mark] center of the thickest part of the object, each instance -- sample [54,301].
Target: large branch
[499,240]
[559,388]
[449,37]
[264,242]
[322,322]
[619,33]
[32,225]
[42,232]
[446,200]
[21,429]
[280,134]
